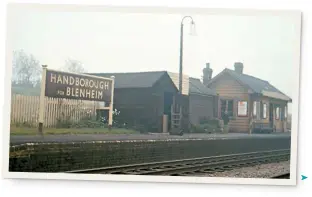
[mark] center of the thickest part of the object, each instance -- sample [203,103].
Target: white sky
[124,42]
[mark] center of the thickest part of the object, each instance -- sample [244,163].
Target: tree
[73,66]
[25,68]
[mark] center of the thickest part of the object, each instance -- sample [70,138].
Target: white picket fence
[25,110]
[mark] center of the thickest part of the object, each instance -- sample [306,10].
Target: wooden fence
[25,110]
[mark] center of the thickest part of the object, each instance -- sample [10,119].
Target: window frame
[246,109]
[264,115]
[254,109]
[227,106]
[277,113]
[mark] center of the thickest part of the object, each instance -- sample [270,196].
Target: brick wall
[60,157]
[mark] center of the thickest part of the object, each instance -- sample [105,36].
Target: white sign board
[242,108]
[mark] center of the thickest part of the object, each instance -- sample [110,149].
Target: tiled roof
[148,79]
[255,84]
[135,79]
[197,87]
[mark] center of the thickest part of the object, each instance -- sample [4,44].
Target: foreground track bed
[196,166]
[270,170]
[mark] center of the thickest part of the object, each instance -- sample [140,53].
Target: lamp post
[181,65]
[192,31]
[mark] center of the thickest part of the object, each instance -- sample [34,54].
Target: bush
[207,125]
[210,121]
[89,122]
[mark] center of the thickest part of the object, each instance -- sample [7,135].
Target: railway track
[202,165]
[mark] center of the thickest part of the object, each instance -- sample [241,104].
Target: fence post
[111,106]
[42,96]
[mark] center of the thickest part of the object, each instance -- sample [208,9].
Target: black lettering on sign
[75,86]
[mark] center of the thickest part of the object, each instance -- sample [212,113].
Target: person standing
[226,120]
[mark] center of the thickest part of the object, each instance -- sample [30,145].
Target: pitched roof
[148,79]
[197,87]
[255,84]
[134,79]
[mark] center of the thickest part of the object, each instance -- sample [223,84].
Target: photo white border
[163,179]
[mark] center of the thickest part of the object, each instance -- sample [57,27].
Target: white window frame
[277,113]
[246,113]
[254,111]
[264,110]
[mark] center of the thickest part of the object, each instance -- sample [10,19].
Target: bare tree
[26,68]
[74,66]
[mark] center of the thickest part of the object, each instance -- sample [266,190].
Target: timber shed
[203,102]
[253,104]
[143,98]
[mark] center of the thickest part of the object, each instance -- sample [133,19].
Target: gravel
[259,171]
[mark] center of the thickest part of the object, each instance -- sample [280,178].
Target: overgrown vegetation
[207,125]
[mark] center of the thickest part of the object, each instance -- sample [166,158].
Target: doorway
[168,101]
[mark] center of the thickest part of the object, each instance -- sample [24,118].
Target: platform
[16,139]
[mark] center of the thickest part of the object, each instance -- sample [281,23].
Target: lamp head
[192,28]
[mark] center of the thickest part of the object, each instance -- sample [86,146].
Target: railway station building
[253,104]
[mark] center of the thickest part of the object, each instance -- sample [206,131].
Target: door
[168,101]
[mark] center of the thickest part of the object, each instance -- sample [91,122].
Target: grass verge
[55,131]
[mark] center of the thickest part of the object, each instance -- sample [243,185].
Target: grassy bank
[55,131]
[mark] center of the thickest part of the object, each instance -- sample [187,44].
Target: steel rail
[186,165]
[219,165]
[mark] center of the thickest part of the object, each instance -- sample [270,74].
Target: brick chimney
[207,73]
[239,67]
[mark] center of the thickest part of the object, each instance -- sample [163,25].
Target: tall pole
[111,106]
[181,59]
[179,103]
[181,53]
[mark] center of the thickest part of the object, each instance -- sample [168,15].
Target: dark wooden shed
[143,98]
[203,102]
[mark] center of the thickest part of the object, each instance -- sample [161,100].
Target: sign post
[59,84]
[42,95]
[111,106]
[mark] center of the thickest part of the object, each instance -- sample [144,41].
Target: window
[277,113]
[264,110]
[227,106]
[242,108]
[285,112]
[257,109]
[254,111]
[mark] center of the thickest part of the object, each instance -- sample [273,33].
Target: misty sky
[130,42]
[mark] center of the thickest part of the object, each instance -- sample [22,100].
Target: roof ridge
[159,71]
[194,78]
[248,75]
